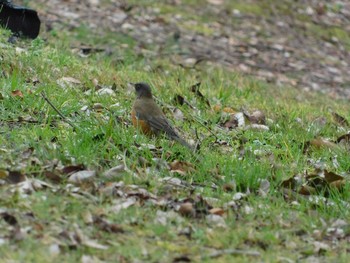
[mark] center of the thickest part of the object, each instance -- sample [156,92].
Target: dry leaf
[217,211]
[319,143]
[332,177]
[178,114]
[123,204]
[187,209]
[181,167]
[256,117]
[116,171]
[236,120]
[15,177]
[228,110]
[82,176]
[307,190]
[216,221]
[106,226]
[66,82]
[344,139]
[17,93]
[257,127]
[340,119]
[70,169]
[217,108]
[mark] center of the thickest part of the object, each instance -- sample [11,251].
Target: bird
[148,117]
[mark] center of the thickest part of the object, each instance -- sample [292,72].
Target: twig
[58,112]
[197,119]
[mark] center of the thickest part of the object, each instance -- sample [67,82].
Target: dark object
[20,20]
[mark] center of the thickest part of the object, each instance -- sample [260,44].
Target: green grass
[274,227]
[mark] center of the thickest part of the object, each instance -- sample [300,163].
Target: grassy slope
[273,228]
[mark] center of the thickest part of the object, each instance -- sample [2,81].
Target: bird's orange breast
[140,124]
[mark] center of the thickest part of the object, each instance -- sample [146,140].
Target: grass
[270,225]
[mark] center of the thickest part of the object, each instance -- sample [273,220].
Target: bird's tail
[184,143]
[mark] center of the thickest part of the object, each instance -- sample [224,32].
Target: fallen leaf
[228,110]
[164,217]
[319,143]
[239,196]
[94,244]
[66,82]
[320,247]
[340,119]
[106,226]
[17,93]
[15,177]
[123,204]
[229,187]
[82,176]
[3,174]
[106,91]
[344,139]
[70,169]
[256,117]
[87,217]
[217,211]
[178,114]
[236,120]
[307,190]
[257,127]
[116,171]
[181,167]
[321,181]
[8,218]
[187,209]
[264,187]
[332,177]
[217,108]
[53,176]
[216,221]
[339,185]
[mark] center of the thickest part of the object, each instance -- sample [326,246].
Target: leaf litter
[194,206]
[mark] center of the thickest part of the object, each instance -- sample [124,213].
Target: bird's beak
[131,83]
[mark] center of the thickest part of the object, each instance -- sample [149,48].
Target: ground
[260,87]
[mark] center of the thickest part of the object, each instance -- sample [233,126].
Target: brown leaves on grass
[12,177]
[322,143]
[319,143]
[256,120]
[68,82]
[17,93]
[15,232]
[197,207]
[107,226]
[340,119]
[319,182]
[181,167]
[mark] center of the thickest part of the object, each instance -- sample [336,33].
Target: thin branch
[197,119]
[58,112]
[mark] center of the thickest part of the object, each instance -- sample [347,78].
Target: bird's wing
[161,124]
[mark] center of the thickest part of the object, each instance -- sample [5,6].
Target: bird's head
[143,90]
